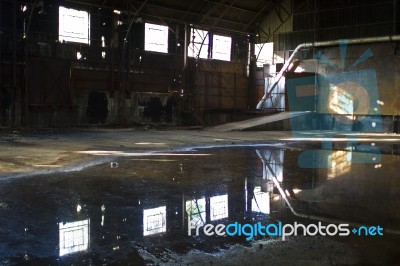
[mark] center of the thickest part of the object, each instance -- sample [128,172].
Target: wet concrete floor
[135,209]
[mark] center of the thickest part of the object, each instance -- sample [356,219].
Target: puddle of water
[137,209]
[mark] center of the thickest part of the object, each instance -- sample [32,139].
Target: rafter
[150,7]
[257,15]
[235,30]
[211,10]
[237,8]
[190,8]
[223,13]
[137,12]
[278,13]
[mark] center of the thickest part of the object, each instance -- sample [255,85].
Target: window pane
[156,38]
[73,25]
[222,47]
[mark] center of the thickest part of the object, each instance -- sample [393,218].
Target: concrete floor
[32,151]
[29,152]
[110,176]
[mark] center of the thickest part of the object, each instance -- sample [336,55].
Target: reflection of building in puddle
[154,221]
[218,207]
[340,163]
[74,236]
[260,201]
[196,211]
[272,160]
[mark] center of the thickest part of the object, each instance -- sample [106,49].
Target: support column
[14,64]
[1,53]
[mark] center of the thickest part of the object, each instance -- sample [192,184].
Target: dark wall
[56,88]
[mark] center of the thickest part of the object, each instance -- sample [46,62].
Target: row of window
[74,26]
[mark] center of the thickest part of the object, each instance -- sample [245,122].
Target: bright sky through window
[198,46]
[264,53]
[156,38]
[73,25]
[222,47]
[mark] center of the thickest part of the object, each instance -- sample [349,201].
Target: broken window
[264,53]
[196,211]
[198,46]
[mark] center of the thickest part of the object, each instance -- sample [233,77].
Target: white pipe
[320,44]
[185,48]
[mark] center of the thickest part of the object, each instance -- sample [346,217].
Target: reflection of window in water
[74,236]
[340,163]
[154,221]
[272,163]
[196,210]
[260,201]
[218,207]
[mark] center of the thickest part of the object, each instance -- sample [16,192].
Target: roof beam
[219,28]
[237,8]
[137,11]
[215,6]
[223,13]
[189,9]
[257,15]
[195,16]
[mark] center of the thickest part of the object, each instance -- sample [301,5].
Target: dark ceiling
[236,16]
